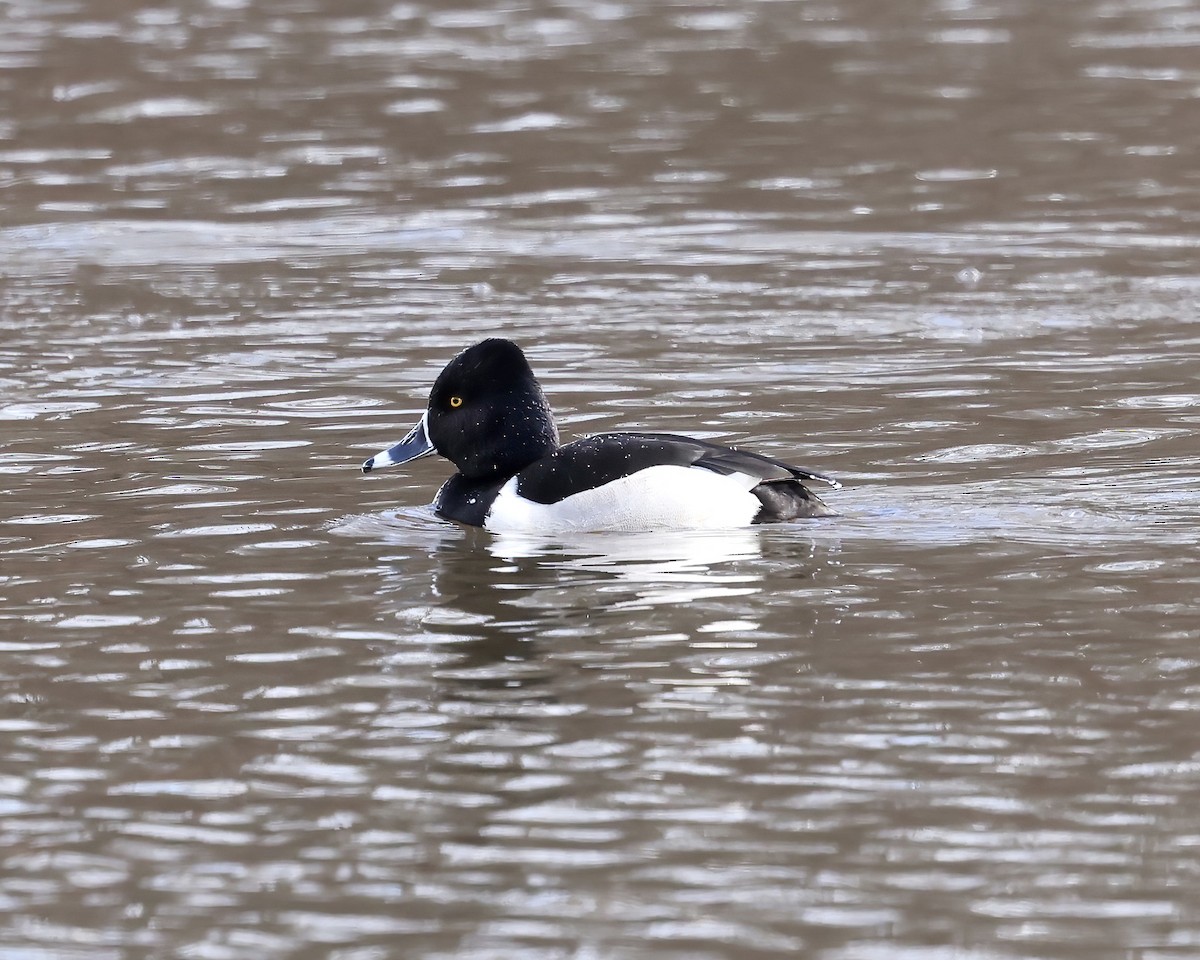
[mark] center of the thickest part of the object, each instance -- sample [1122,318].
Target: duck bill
[415,444]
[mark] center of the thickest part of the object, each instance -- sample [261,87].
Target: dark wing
[722,459]
[780,489]
[595,461]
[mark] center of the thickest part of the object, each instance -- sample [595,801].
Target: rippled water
[256,705]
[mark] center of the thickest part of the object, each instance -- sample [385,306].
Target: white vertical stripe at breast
[657,498]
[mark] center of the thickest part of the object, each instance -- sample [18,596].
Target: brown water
[254,705]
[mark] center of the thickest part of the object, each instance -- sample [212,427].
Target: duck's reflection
[529,594]
[502,601]
[643,569]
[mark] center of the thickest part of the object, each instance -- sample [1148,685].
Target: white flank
[657,498]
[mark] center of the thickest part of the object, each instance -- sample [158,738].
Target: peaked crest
[487,413]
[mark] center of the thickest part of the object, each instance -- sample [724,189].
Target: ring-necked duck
[488,415]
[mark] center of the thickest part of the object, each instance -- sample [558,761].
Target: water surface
[256,705]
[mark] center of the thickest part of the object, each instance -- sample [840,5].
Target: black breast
[466,501]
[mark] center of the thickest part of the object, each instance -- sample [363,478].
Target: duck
[488,415]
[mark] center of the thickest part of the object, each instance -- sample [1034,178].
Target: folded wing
[592,462]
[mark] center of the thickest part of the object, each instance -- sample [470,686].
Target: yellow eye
[456,402]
